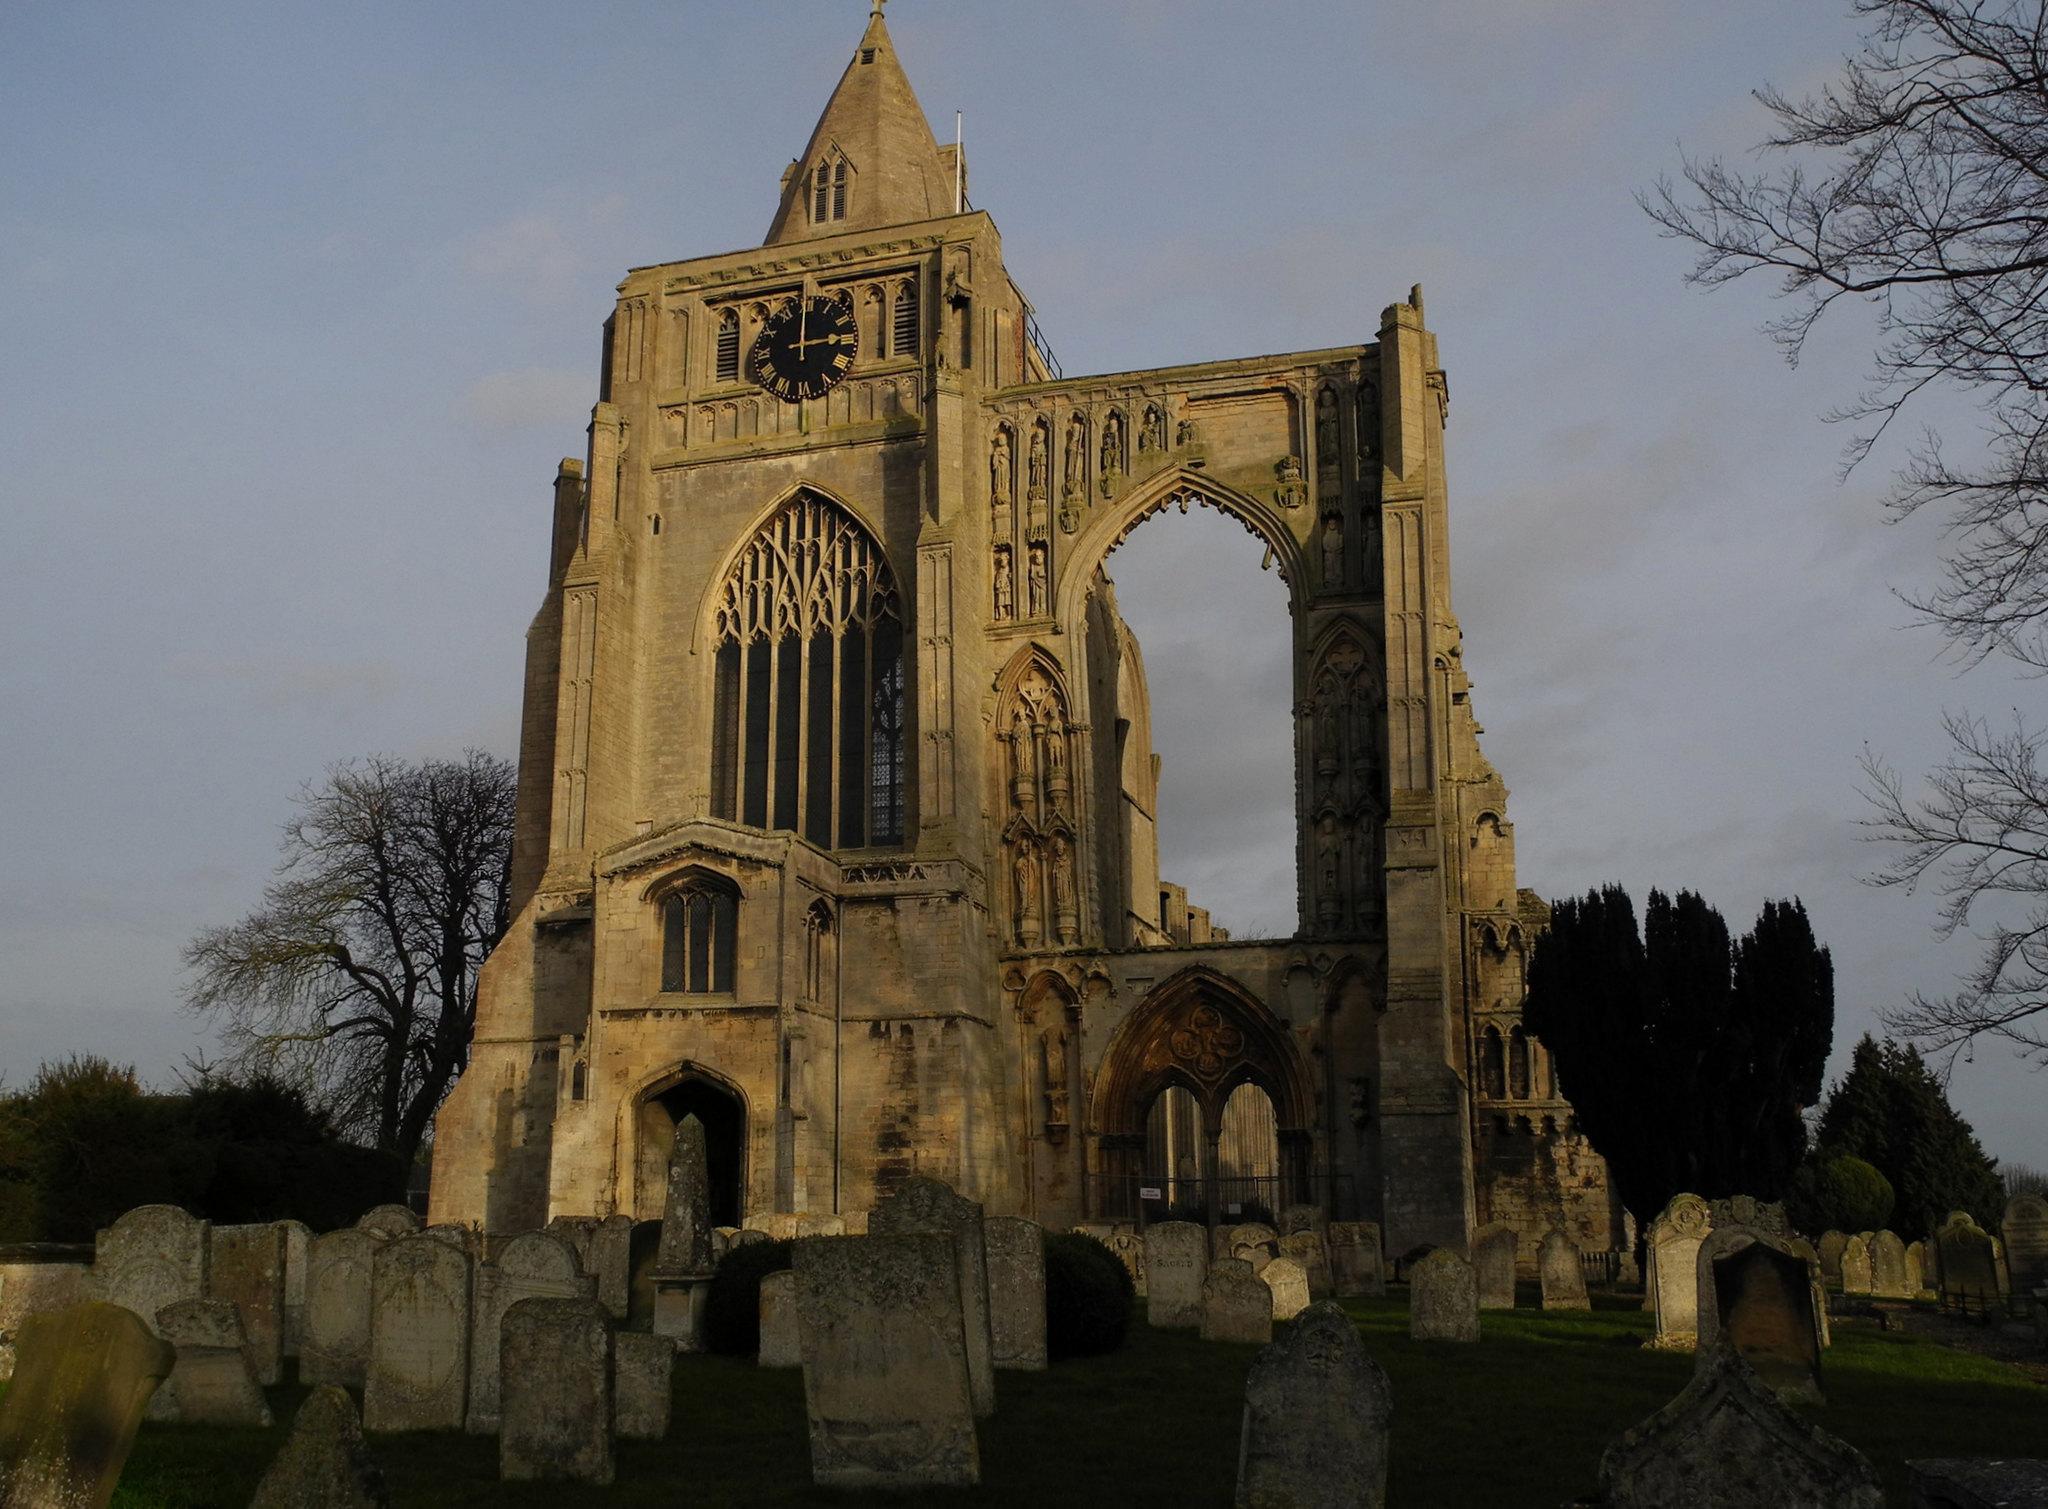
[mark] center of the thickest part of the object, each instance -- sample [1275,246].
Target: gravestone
[298,1251]
[1889,1277]
[682,1264]
[246,1267]
[1562,1275]
[418,1371]
[575,1230]
[779,1345]
[1856,1275]
[1129,1248]
[886,1378]
[1726,1442]
[923,1204]
[1675,1238]
[1295,1218]
[747,1236]
[1253,1241]
[1288,1283]
[461,1238]
[1493,1265]
[1443,1298]
[336,1344]
[780,1225]
[1916,1268]
[1307,1248]
[82,1378]
[1355,1266]
[1176,1262]
[1977,1482]
[325,1463]
[555,1392]
[533,1265]
[1237,1305]
[388,1221]
[2026,1242]
[35,1289]
[1016,1291]
[1830,1248]
[211,1382]
[643,1385]
[1764,1297]
[152,1256]
[1316,1410]
[822,1224]
[1969,1276]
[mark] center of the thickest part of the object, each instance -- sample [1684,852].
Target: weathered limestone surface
[820,1225]
[1830,1247]
[1856,1274]
[1237,1305]
[1889,1278]
[336,1345]
[1969,1271]
[1288,1284]
[1916,1268]
[643,1385]
[533,1265]
[388,1221]
[1129,1248]
[152,1256]
[1253,1241]
[1316,1410]
[1443,1299]
[1493,1265]
[1295,1218]
[1016,1291]
[1307,1248]
[1727,1443]
[686,1213]
[325,1463]
[1176,1261]
[211,1383]
[1356,1267]
[1562,1276]
[886,1379]
[555,1392]
[419,1336]
[35,1289]
[246,1266]
[1766,1298]
[298,1253]
[82,1379]
[928,1205]
[1675,1238]
[779,1345]
[2025,1229]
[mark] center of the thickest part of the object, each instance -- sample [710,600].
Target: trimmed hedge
[1088,1296]
[732,1310]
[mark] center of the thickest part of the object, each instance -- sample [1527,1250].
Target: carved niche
[1041,864]
[1037,470]
[1002,483]
[1113,454]
[1074,475]
[1347,808]
[1329,459]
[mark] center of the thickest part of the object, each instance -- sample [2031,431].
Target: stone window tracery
[808,706]
[828,190]
[1041,866]
[1492,1065]
[699,936]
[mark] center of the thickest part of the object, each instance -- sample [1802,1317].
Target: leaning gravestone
[928,1205]
[779,1345]
[1176,1261]
[1856,1275]
[336,1345]
[1308,1248]
[1765,1298]
[1443,1298]
[32,1289]
[2026,1242]
[533,1265]
[682,1265]
[419,1336]
[643,1384]
[1830,1247]
[1888,1276]
[154,1255]
[1726,1442]
[1969,1274]
[886,1378]
[211,1382]
[1286,1281]
[388,1221]
[1675,1238]
[1316,1409]
[325,1464]
[298,1252]
[1493,1265]
[1563,1276]
[1237,1305]
[246,1267]
[1016,1291]
[555,1392]
[1355,1266]
[82,1378]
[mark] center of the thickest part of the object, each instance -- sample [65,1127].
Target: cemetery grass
[1519,1419]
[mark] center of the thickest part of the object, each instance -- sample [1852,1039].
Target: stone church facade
[836,786]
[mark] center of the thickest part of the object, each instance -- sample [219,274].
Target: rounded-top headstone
[1443,1298]
[325,1464]
[1316,1409]
[388,1221]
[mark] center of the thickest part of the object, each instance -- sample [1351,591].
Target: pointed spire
[875,148]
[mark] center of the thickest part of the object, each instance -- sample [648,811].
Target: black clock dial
[804,348]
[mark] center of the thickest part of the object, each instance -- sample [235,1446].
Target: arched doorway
[692,1092]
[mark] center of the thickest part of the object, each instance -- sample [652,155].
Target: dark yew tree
[1687,1057]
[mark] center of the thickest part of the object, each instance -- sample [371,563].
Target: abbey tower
[836,780]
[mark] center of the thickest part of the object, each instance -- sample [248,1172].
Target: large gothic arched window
[809,703]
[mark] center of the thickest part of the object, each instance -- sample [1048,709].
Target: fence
[1144,1198]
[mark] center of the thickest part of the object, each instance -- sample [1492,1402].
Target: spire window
[827,184]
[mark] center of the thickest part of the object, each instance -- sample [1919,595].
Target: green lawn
[1520,1419]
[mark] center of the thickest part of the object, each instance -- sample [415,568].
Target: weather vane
[877,11]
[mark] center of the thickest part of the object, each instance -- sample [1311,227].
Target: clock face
[804,348]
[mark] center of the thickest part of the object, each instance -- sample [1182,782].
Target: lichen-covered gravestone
[1675,1238]
[643,1384]
[298,1251]
[33,1289]
[886,1387]
[555,1392]
[82,1378]
[533,1265]
[1254,1242]
[779,1345]
[152,1256]
[2026,1242]
[1889,1278]
[211,1382]
[1016,1291]
[1916,1268]
[1493,1265]
[419,1336]
[1355,1265]
[1316,1409]
[1856,1275]
[1969,1273]
[1830,1248]
[325,1463]
[1764,1296]
[1176,1261]
[336,1344]
[1308,1248]
[923,1204]
[388,1222]
[1443,1299]
[1727,1443]
[1562,1275]
[1288,1284]
[1236,1304]
[246,1267]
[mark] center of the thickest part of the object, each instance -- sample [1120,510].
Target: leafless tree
[358,973]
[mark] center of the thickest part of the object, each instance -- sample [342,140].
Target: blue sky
[300,305]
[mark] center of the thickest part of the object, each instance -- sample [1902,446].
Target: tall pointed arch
[1346,800]
[1041,868]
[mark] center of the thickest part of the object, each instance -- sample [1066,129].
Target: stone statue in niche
[1036,475]
[1189,435]
[1005,590]
[1153,436]
[1326,737]
[1075,486]
[1024,868]
[1112,453]
[1038,581]
[1053,1050]
[999,468]
[1327,456]
[1333,551]
[1025,774]
[1066,915]
[1292,489]
[1329,907]
[1056,760]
